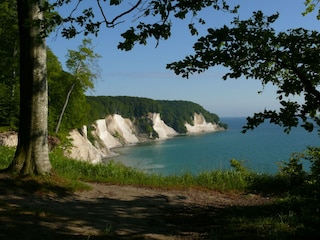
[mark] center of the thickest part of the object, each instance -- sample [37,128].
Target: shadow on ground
[27,213]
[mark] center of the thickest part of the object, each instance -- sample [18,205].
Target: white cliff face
[163,130]
[122,127]
[200,125]
[116,131]
[82,148]
[104,136]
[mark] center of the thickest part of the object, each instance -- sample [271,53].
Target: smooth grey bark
[32,154]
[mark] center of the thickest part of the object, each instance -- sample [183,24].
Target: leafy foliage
[83,66]
[6,155]
[305,180]
[9,70]
[58,80]
[59,83]
[173,113]
[252,48]
[157,18]
[311,6]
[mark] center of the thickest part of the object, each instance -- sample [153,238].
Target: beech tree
[252,48]
[31,155]
[84,69]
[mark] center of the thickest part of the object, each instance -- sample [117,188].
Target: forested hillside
[83,110]
[174,113]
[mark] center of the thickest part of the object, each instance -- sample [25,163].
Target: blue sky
[142,73]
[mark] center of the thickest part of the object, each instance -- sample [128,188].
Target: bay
[261,150]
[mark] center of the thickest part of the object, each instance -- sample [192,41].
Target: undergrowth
[116,173]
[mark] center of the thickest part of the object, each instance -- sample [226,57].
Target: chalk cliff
[115,131]
[122,128]
[103,136]
[200,125]
[163,130]
[95,144]
[82,148]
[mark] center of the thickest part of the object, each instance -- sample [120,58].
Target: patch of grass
[54,183]
[6,156]
[111,172]
[117,173]
[286,218]
[222,180]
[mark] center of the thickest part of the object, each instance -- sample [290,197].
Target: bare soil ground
[114,212]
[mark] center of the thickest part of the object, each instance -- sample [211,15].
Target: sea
[262,150]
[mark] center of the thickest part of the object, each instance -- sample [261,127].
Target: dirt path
[113,212]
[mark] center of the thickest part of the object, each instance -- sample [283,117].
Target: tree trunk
[32,155]
[64,107]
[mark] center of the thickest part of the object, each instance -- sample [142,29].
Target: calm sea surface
[261,149]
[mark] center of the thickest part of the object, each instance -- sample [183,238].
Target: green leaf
[115,2]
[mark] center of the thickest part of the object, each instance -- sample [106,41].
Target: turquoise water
[261,149]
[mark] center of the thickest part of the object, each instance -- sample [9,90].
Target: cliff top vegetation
[174,113]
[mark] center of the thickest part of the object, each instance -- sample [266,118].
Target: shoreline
[149,163]
[144,141]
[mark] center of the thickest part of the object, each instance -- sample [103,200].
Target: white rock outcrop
[200,125]
[9,139]
[163,130]
[82,148]
[122,128]
[104,137]
[113,131]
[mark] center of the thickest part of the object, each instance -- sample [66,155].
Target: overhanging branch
[112,23]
